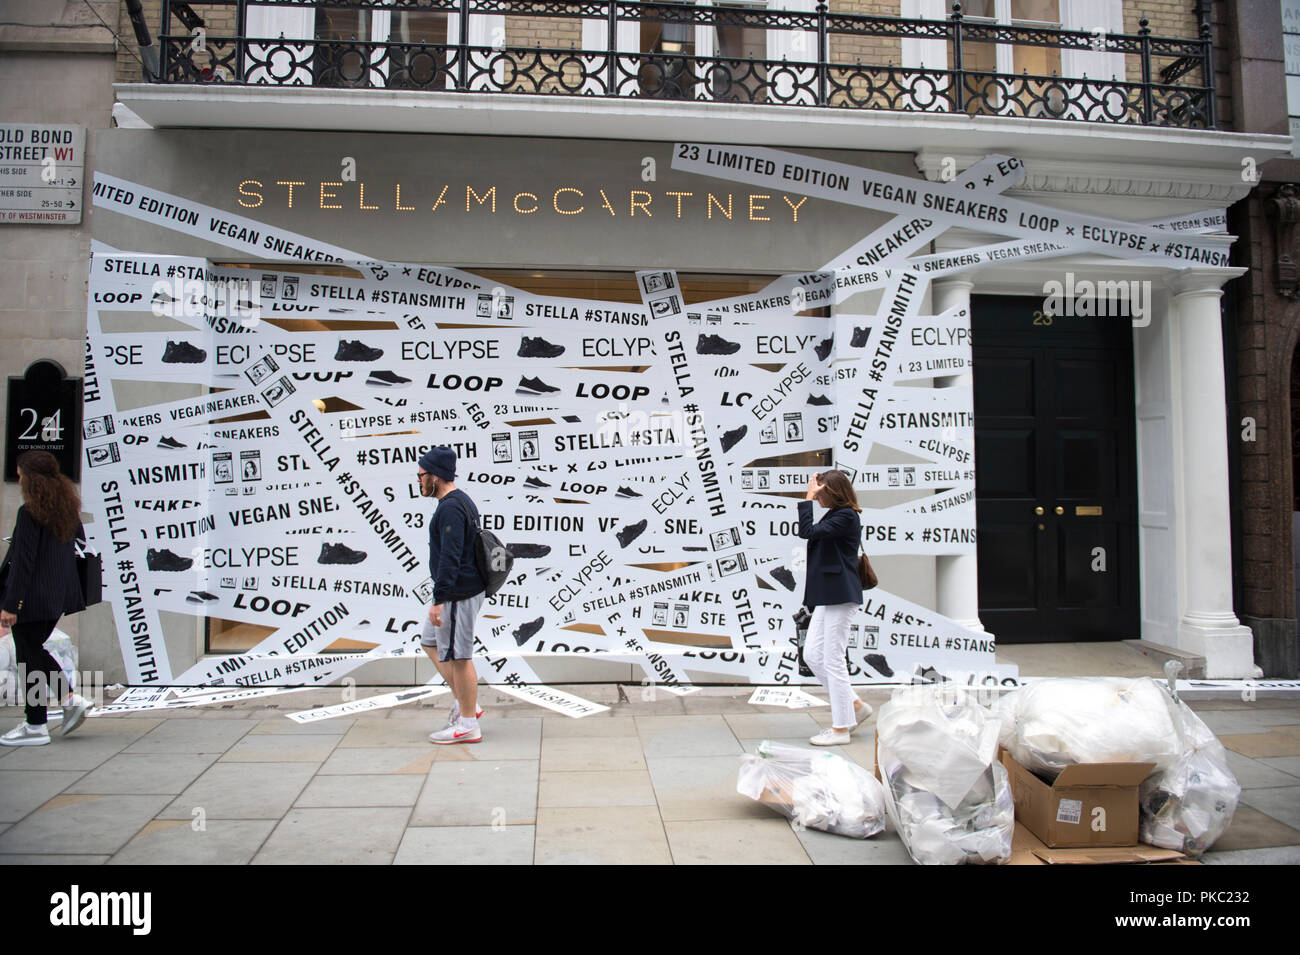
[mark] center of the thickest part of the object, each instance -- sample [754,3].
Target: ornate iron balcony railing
[699,53]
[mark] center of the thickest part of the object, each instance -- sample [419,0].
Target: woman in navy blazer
[42,585]
[832,591]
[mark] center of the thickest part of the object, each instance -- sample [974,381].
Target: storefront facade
[1101,479]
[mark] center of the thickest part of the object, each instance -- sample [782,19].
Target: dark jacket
[42,583]
[833,544]
[451,549]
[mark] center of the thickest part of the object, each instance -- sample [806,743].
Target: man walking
[458,593]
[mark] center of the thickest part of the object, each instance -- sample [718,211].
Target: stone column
[1207,625]
[956,577]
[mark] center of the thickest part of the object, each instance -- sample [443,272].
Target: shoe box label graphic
[103,454]
[261,369]
[270,286]
[592,573]
[250,465]
[660,617]
[223,468]
[96,428]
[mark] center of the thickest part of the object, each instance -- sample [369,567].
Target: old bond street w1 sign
[41,172]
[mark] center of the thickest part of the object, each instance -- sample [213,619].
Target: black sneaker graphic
[164,297]
[818,400]
[533,386]
[183,353]
[387,379]
[878,663]
[538,348]
[931,675]
[626,492]
[356,351]
[200,596]
[694,548]
[729,438]
[715,345]
[534,482]
[528,551]
[630,533]
[824,349]
[339,554]
[363,625]
[526,631]
[170,443]
[859,336]
[166,560]
[784,576]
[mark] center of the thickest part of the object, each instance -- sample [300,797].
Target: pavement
[652,780]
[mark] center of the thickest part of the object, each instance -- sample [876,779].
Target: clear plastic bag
[1050,724]
[1191,804]
[815,789]
[948,796]
[61,648]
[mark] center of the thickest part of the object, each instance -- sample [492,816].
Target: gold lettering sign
[567,201]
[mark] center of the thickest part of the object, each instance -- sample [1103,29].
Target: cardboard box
[1090,805]
[1028,849]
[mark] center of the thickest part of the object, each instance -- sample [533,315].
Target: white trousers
[823,651]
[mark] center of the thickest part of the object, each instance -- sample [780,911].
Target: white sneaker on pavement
[828,737]
[458,732]
[454,715]
[24,734]
[74,713]
[862,714]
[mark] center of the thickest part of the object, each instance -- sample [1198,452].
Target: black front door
[1055,473]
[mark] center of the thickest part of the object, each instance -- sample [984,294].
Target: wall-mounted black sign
[44,414]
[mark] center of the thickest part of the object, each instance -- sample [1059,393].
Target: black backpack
[492,557]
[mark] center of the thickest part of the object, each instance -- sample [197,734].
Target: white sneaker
[74,713]
[863,714]
[26,735]
[458,732]
[454,714]
[828,737]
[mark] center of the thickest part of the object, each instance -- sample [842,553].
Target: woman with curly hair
[832,591]
[42,585]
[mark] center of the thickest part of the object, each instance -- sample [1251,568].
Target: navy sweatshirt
[451,549]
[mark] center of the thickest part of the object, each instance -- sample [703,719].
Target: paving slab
[83,825]
[607,835]
[686,736]
[22,791]
[177,842]
[825,848]
[242,791]
[193,736]
[1276,742]
[577,789]
[374,731]
[515,738]
[281,748]
[1233,722]
[283,726]
[734,842]
[1256,773]
[414,760]
[1282,803]
[592,754]
[861,752]
[1252,829]
[477,794]
[565,727]
[764,725]
[72,752]
[466,845]
[1287,855]
[701,787]
[52,860]
[138,773]
[334,837]
[1287,764]
[360,791]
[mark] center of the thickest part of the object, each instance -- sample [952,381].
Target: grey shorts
[455,638]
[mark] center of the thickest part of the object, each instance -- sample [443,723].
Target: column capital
[1201,281]
[962,280]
